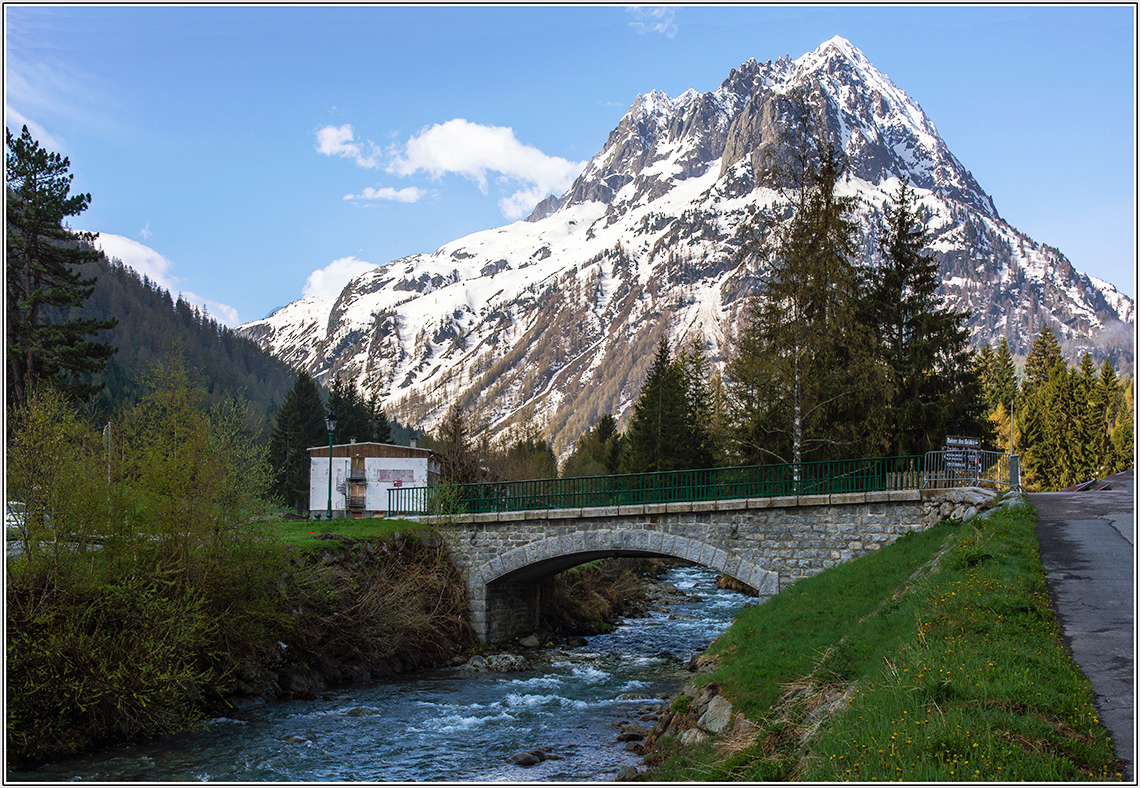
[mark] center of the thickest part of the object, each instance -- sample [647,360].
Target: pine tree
[1005,375]
[1089,438]
[658,431]
[41,256]
[381,430]
[593,453]
[1108,395]
[984,362]
[353,416]
[798,377]
[694,368]
[299,425]
[933,383]
[1123,438]
[1045,431]
[1043,358]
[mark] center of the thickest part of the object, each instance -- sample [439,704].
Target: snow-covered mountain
[557,317]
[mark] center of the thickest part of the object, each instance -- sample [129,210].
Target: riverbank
[576,704]
[939,658]
[100,656]
[105,648]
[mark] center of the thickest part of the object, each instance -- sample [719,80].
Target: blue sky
[248,155]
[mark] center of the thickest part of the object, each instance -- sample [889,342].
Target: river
[450,724]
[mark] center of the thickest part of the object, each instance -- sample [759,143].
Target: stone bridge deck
[766,543]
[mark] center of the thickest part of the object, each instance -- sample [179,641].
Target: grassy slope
[936,659]
[309,536]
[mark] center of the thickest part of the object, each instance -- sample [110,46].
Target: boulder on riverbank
[532,757]
[695,715]
[498,663]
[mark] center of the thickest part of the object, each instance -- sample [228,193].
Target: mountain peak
[559,315]
[840,43]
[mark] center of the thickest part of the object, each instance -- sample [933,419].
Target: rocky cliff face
[556,318]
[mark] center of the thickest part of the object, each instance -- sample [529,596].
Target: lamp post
[1011,399]
[330,425]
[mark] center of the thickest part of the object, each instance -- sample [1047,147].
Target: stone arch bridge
[766,543]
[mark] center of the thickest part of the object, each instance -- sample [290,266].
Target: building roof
[369,450]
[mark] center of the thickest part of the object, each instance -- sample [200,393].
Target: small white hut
[362,475]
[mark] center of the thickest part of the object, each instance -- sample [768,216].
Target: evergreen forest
[152,325]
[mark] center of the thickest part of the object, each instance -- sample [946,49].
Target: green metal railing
[710,484]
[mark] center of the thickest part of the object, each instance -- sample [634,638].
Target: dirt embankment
[356,611]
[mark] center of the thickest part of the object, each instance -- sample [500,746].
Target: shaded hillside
[153,324]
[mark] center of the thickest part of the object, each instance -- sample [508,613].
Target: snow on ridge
[1121,303]
[476,297]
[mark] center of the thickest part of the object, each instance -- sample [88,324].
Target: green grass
[312,535]
[953,669]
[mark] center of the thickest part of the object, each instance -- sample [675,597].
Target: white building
[362,475]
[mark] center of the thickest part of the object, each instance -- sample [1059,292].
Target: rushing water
[450,724]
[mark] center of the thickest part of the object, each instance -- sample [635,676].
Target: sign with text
[963,453]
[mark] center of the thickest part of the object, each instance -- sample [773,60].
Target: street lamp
[330,425]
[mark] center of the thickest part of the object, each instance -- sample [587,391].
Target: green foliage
[598,452]
[56,466]
[1075,424]
[799,377]
[659,431]
[152,324]
[41,254]
[145,571]
[1122,455]
[151,577]
[1004,382]
[933,387]
[1044,357]
[299,426]
[356,419]
[98,663]
[700,416]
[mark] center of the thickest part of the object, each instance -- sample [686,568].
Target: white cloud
[327,282]
[340,141]
[157,268]
[410,194]
[521,203]
[16,121]
[655,19]
[139,257]
[145,232]
[42,95]
[459,147]
[473,150]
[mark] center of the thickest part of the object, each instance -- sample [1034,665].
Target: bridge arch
[766,543]
[504,591]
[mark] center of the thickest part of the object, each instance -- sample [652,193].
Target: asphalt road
[1088,547]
